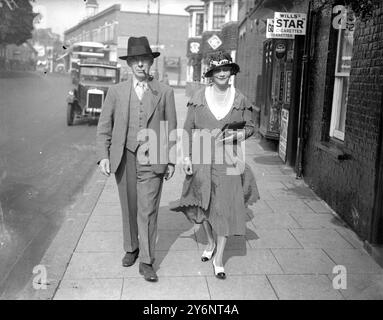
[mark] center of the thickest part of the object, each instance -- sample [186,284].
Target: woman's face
[222,75]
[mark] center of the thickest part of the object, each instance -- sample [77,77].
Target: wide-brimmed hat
[139,47]
[220,59]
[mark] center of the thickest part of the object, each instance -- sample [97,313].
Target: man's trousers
[139,190]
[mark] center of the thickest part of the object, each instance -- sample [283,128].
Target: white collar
[219,111]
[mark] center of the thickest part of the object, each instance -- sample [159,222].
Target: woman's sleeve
[189,125]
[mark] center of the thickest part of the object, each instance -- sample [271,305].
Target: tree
[363,9]
[16,21]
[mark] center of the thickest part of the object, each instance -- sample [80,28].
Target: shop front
[279,108]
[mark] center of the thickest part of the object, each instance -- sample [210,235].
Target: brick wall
[347,186]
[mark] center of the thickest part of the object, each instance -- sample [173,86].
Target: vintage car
[94,79]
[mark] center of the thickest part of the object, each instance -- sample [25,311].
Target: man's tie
[141,88]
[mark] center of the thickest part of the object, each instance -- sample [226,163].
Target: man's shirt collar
[135,82]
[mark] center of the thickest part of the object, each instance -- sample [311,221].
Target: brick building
[342,156]
[335,102]
[113,27]
[219,32]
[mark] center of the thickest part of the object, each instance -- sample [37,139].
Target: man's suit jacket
[113,123]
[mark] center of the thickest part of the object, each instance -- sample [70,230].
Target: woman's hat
[220,59]
[139,47]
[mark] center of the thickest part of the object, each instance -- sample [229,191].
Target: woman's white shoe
[219,271]
[207,254]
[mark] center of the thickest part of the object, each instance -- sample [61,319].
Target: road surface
[43,166]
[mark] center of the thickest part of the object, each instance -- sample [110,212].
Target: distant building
[17,58]
[220,32]
[49,47]
[113,27]
[194,45]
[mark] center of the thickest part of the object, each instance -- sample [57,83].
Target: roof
[89,44]
[194,8]
[115,7]
[92,3]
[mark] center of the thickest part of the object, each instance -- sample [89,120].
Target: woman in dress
[215,194]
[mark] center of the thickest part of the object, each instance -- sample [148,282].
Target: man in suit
[133,110]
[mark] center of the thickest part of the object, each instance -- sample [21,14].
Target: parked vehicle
[87,97]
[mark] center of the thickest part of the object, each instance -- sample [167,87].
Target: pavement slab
[90,289]
[355,260]
[246,287]
[167,288]
[274,221]
[249,262]
[271,238]
[303,261]
[363,287]
[289,206]
[318,221]
[320,238]
[304,287]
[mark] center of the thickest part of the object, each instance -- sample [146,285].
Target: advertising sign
[194,47]
[270,34]
[290,23]
[214,41]
[283,134]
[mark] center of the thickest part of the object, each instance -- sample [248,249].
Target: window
[342,79]
[218,14]
[94,35]
[199,24]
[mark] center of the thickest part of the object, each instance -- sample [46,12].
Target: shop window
[342,79]
[199,24]
[218,14]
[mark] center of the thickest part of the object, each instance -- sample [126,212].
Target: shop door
[269,122]
[277,77]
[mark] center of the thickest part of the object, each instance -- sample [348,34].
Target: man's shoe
[130,258]
[148,272]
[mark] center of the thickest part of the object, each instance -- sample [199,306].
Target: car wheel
[70,114]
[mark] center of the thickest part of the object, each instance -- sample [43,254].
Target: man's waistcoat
[137,118]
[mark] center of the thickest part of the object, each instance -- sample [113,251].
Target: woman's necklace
[221,97]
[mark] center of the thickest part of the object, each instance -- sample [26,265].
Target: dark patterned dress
[213,192]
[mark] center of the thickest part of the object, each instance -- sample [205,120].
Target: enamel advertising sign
[290,23]
[270,34]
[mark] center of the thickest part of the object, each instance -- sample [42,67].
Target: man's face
[140,66]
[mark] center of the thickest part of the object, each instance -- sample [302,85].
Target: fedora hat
[221,59]
[139,47]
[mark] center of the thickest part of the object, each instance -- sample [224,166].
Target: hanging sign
[290,23]
[214,41]
[194,47]
[270,34]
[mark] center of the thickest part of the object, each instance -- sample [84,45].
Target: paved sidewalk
[293,241]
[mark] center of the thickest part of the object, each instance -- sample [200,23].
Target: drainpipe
[303,96]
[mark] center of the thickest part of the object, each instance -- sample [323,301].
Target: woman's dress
[220,190]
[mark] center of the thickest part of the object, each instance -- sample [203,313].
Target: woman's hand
[231,136]
[187,166]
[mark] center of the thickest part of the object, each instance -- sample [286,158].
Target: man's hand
[188,167]
[104,166]
[169,172]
